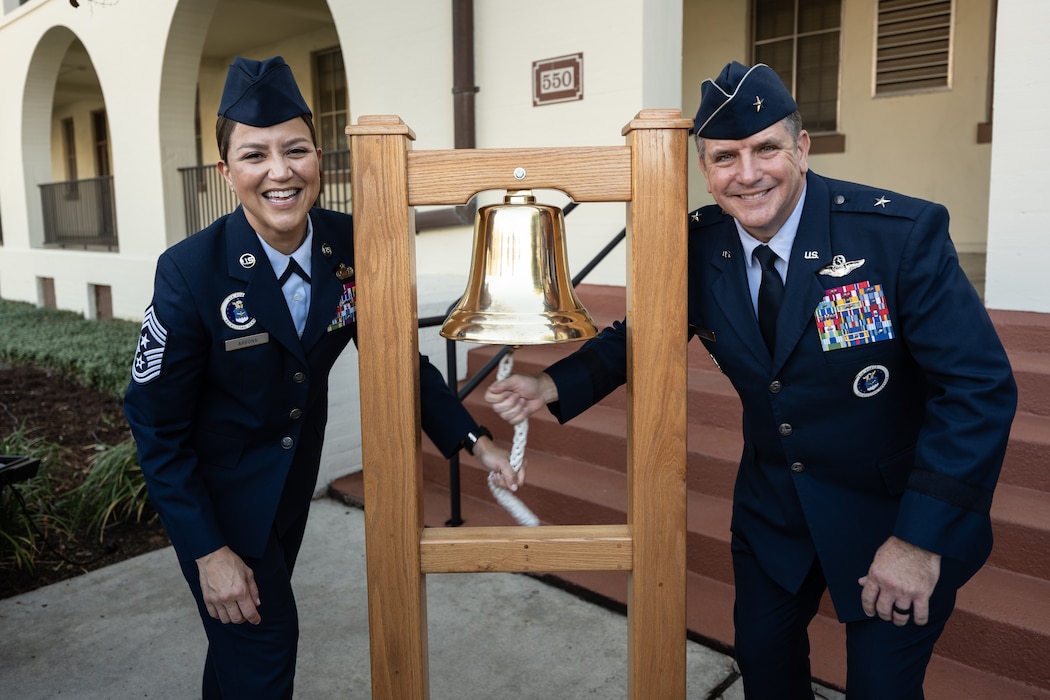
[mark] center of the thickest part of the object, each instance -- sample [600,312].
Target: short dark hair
[224,130]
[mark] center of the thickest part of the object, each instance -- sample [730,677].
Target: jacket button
[785,428]
[839,199]
[296,413]
[299,377]
[775,386]
[286,443]
[798,467]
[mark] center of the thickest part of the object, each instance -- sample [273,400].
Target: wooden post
[656,407]
[388,178]
[388,346]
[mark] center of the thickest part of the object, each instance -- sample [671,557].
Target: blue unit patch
[870,381]
[234,314]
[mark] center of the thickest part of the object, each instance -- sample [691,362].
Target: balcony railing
[79,213]
[207,197]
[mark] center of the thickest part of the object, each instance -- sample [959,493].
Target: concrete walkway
[131,631]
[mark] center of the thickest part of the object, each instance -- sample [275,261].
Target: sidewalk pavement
[131,631]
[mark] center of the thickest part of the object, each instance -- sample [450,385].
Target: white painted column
[1019,209]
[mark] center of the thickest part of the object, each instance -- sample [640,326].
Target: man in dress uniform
[229,394]
[877,398]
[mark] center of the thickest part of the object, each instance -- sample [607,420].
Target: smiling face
[757,180]
[276,173]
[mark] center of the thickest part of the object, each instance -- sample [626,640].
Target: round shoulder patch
[234,314]
[870,381]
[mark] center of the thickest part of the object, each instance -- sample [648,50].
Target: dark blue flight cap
[261,93]
[741,101]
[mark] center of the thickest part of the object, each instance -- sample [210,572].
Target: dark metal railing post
[455,517]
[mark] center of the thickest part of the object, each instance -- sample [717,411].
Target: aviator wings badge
[839,267]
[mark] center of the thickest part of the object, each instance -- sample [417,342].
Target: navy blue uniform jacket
[228,405]
[846,446]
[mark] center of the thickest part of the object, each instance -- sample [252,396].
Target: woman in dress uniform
[229,397]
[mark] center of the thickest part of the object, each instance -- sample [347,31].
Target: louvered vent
[914,45]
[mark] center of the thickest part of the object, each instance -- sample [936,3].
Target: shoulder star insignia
[757,104]
[695,216]
[882,202]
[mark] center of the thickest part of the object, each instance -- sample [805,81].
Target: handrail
[80,213]
[452,368]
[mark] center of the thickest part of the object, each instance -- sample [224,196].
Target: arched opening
[67,155]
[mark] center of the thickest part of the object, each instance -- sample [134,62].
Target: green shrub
[29,512]
[114,491]
[98,354]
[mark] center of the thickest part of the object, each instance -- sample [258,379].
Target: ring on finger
[902,611]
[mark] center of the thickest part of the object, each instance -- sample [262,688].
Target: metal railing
[206,196]
[455,518]
[80,213]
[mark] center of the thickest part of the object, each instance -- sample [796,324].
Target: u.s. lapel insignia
[811,255]
[726,254]
[870,381]
[344,272]
[247,261]
[839,267]
[234,314]
[326,250]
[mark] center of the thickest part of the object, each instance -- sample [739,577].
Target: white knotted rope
[506,498]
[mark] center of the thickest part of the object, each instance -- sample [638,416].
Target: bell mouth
[520,291]
[519,328]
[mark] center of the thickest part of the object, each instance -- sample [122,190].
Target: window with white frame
[799,39]
[913,47]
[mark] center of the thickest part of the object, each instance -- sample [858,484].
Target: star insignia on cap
[881,202]
[758,103]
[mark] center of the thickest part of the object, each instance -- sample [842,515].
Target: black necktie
[293,267]
[770,295]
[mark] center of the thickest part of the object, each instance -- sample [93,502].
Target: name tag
[247,341]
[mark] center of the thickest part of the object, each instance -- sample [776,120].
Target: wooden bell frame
[388,179]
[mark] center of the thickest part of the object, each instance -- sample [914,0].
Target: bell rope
[506,498]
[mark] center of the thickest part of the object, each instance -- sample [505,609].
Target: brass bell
[519,291]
